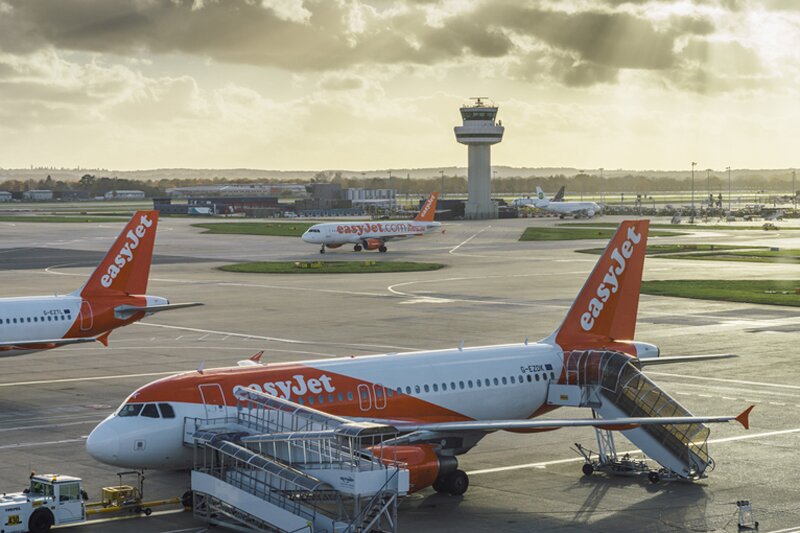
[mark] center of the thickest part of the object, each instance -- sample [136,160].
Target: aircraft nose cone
[103,443]
[306,237]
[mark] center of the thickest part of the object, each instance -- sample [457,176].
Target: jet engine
[372,244]
[423,464]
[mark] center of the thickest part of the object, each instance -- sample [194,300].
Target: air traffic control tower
[479,132]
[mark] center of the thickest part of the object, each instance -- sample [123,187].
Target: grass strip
[274,229]
[568,234]
[771,292]
[666,226]
[330,267]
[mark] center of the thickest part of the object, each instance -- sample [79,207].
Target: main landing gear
[382,248]
[357,248]
[454,483]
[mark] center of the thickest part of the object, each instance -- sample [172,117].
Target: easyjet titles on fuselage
[379,227]
[299,386]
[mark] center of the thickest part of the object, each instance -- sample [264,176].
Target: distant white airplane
[528,201]
[563,209]
[373,235]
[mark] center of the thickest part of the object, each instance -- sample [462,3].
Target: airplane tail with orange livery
[428,211]
[604,313]
[126,267]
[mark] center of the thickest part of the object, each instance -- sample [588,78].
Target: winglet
[256,358]
[201,367]
[744,417]
[103,339]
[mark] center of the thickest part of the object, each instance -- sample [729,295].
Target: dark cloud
[577,48]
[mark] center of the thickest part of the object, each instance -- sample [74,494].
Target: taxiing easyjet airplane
[373,235]
[444,402]
[114,296]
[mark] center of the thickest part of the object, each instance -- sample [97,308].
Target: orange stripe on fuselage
[300,381]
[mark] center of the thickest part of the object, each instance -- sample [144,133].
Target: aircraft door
[213,399]
[86,316]
[380,396]
[364,397]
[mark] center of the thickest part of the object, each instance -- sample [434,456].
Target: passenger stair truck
[50,500]
[612,386]
[281,466]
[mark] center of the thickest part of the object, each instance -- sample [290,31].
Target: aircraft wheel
[187,500]
[457,482]
[40,521]
[587,469]
[382,248]
[439,485]
[653,477]
[357,248]
[322,250]
[148,511]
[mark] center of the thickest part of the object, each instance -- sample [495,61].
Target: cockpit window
[313,230]
[166,410]
[130,409]
[150,411]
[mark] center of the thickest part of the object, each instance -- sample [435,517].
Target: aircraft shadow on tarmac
[671,507]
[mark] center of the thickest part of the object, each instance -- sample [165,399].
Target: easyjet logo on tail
[126,253]
[610,283]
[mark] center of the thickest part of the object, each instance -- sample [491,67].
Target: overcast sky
[359,84]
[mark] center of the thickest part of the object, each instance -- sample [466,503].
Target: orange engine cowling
[372,244]
[421,461]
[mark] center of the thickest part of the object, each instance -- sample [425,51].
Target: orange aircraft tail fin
[428,210]
[605,309]
[126,266]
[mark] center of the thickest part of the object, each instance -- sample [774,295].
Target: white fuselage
[588,209]
[486,383]
[338,233]
[38,318]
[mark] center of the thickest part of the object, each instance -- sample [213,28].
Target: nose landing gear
[322,250]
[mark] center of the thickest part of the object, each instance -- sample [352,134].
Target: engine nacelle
[590,213]
[421,460]
[372,244]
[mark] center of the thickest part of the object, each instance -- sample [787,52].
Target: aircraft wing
[125,311]
[43,344]
[683,359]
[616,424]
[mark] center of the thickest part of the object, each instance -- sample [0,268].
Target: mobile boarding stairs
[610,384]
[279,466]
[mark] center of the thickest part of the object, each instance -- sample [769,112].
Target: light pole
[794,189]
[602,187]
[691,219]
[729,190]
[441,191]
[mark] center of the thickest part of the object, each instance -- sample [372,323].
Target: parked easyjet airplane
[373,235]
[443,402]
[114,296]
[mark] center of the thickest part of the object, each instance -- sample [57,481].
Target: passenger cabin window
[130,409]
[166,410]
[150,411]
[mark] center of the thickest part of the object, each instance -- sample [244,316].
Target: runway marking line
[724,380]
[456,247]
[92,378]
